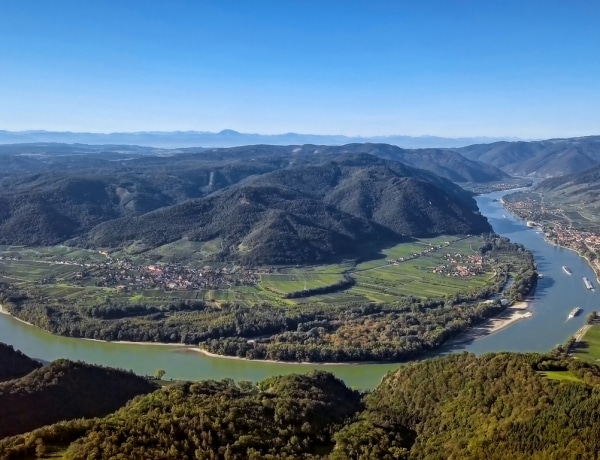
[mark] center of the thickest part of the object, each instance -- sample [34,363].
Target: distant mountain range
[548,158]
[581,190]
[229,138]
[445,156]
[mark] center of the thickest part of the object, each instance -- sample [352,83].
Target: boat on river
[567,270]
[573,313]
[588,283]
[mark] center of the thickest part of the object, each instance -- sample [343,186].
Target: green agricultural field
[384,279]
[192,253]
[415,276]
[589,348]
[284,282]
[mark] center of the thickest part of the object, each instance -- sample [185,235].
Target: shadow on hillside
[374,251]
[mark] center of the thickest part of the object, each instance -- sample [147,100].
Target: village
[126,276]
[584,242]
[461,265]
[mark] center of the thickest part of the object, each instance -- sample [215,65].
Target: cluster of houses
[127,276]
[460,265]
[562,234]
[575,239]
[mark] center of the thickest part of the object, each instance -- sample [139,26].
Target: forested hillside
[308,213]
[495,406]
[14,364]
[268,204]
[53,206]
[547,158]
[581,186]
[40,157]
[445,163]
[65,390]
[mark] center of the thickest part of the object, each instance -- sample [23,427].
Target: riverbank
[130,342]
[273,361]
[594,264]
[497,323]
[4,311]
[184,347]
[508,317]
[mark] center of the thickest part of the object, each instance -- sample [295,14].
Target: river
[557,293]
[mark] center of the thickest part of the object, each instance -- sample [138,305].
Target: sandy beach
[129,342]
[4,311]
[273,361]
[508,317]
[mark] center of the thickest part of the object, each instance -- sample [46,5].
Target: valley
[298,253]
[409,300]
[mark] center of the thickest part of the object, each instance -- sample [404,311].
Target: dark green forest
[65,390]
[15,364]
[494,406]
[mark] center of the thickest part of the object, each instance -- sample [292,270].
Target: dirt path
[581,332]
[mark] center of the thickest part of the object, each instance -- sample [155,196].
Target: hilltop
[267,205]
[65,390]
[15,364]
[307,213]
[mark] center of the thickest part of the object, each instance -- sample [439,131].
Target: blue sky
[529,69]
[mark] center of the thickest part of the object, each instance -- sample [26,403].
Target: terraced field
[407,269]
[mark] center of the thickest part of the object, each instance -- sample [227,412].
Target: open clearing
[561,376]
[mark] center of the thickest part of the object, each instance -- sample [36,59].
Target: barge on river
[588,283]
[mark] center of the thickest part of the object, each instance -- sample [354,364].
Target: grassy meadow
[589,348]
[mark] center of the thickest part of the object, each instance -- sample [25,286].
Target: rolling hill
[442,162]
[51,207]
[576,194]
[307,213]
[15,364]
[42,157]
[460,406]
[65,390]
[267,204]
[548,158]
